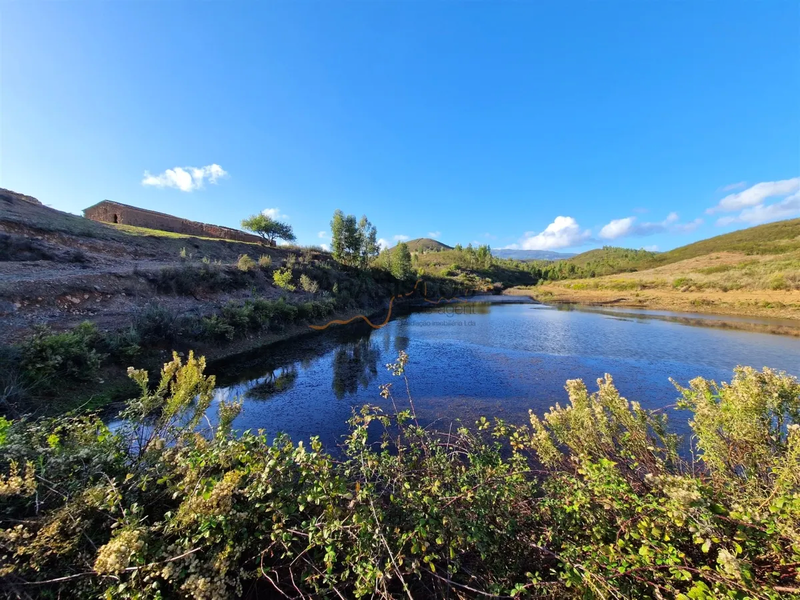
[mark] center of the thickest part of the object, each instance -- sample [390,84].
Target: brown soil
[59,269]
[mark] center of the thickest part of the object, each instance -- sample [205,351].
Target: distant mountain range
[530,254]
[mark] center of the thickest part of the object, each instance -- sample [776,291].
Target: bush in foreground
[592,500]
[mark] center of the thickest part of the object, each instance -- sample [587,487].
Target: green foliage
[590,501]
[308,284]
[400,261]
[353,243]
[154,324]
[49,359]
[268,228]
[265,261]
[245,263]
[283,279]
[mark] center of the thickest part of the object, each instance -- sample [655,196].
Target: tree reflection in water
[354,364]
[274,382]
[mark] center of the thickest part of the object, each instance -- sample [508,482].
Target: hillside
[753,272]
[772,238]
[426,245]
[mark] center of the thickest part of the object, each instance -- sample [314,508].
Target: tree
[337,236]
[352,240]
[269,228]
[353,243]
[369,242]
[401,261]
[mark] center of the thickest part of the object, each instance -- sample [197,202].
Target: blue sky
[551,125]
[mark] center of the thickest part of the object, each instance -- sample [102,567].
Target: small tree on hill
[269,228]
[401,261]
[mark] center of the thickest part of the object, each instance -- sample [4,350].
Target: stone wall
[114,212]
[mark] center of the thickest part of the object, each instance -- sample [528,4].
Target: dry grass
[721,283]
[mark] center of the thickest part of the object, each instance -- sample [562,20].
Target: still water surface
[496,360]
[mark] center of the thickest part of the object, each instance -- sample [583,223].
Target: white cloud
[563,232]
[325,247]
[755,215]
[434,234]
[323,235]
[383,244]
[755,195]
[400,238]
[618,228]
[628,226]
[274,213]
[732,186]
[186,179]
[652,248]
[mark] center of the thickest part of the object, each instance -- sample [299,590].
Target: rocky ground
[59,269]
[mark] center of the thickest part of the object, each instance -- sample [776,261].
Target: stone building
[114,212]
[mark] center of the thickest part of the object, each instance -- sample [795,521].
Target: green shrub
[591,500]
[265,261]
[245,263]
[283,279]
[49,358]
[216,328]
[308,284]
[778,282]
[156,324]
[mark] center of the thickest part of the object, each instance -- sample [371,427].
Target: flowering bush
[590,501]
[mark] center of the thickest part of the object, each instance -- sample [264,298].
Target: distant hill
[426,245]
[609,259]
[530,254]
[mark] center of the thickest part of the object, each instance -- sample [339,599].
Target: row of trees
[353,243]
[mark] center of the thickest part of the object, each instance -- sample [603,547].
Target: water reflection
[274,382]
[512,358]
[354,364]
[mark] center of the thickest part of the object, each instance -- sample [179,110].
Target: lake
[493,357]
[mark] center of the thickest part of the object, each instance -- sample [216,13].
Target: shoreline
[674,302]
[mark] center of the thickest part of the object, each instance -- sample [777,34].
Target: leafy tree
[337,236]
[368,236]
[269,228]
[352,240]
[401,261]
[353,243]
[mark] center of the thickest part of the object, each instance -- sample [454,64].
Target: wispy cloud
[186,179]
[325,247]
[274,213]
[761,213]
[756,195]
[323,235]
[629,226]
[383,244]
[563,232]
[400,238]
[652,248]
[434,234]
[732,186]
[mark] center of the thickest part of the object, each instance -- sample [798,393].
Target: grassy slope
[772,238]
[752,272]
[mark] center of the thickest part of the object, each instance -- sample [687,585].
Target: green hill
[427,245]
[772,238]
